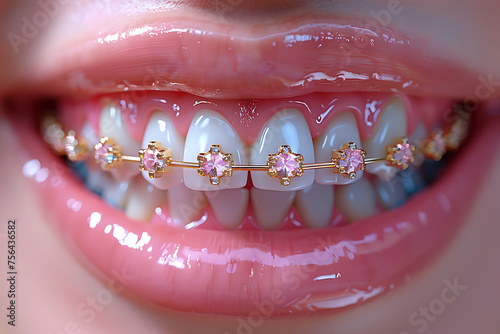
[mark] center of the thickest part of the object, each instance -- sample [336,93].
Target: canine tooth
[342,129]
[416,138]
[390,194]
[229,206]
[287,127]
[390,126]
[112,124]
[89,133]
[356,200]
[271,206]
[115,193]
[161,128]
[418,134]
[142,200]
[315,204]
[208,128]
[185,204]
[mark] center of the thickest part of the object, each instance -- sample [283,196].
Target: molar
[207,128]
[161,128]
[112,124]
[270,207]
[342,129]
[315,204]
[287,127]
[390,126]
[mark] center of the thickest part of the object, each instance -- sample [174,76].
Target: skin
[52,283]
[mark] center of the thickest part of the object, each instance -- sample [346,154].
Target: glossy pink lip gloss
[233,273]
[302,56]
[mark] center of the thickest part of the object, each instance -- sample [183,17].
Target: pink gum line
[249,116]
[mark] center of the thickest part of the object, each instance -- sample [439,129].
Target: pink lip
[235,273]
[245,62]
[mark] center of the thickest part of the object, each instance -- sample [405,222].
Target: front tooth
[112,124]
[356,200]
[315,205]
[342,129]
[161,128]
[143,199]
[287,127]
[115,193]
[185,204]
[209,128]
[271,206]
[229,206]
[390,126]
[390,194]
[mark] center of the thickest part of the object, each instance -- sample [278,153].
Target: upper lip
[210,59]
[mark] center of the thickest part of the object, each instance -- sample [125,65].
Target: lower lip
[235,273]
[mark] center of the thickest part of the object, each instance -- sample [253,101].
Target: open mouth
[250,242]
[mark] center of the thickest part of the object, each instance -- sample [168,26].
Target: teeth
[390,194]
[287,127]
[356,200]
[185,204]
[115,193]
[412,180]
[143,199]
[229,206]
[89,133]
[418,134]
[342,129]
[160,128]
[207,128]
[390,126]
[97,181]
[270,206]
[112,124]
[315,205]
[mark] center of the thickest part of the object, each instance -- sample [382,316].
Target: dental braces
[284,165]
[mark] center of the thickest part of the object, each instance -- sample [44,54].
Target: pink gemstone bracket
[76,148]
[348,160]
[285,165]
[401,154]
[155,159]
[107,153]
[215,164]
[434,147]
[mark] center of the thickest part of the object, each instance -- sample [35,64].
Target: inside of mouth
[320,204]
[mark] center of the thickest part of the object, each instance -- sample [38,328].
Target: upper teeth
[209,127]
[390,126]
[287,128]
[287,131]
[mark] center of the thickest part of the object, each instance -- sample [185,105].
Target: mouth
[322,243]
